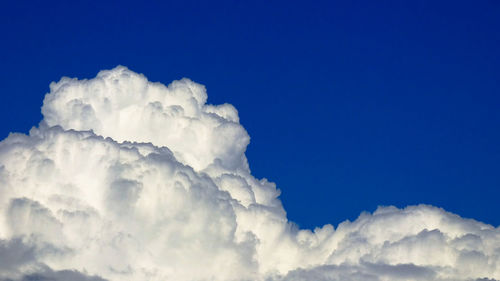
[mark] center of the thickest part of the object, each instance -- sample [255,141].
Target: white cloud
[126,179]
[125,106]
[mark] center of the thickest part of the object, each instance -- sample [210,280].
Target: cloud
[126,179]
[18,261]
[127,107]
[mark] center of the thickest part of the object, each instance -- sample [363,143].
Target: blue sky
[349,105]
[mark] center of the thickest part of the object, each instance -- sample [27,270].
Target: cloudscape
[127,179]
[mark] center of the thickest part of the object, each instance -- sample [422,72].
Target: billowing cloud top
[125,179]
[125,106]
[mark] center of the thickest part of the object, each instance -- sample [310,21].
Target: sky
[349,105]
[264,141]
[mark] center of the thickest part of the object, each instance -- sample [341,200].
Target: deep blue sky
[350,104]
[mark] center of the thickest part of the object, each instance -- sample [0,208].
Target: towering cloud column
[126,179]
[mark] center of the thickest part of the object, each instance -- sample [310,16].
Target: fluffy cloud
[125,106]
[125,179]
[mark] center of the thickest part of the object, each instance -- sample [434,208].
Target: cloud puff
[127,107]
[125,179]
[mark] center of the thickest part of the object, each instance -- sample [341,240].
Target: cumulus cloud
[126,179]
